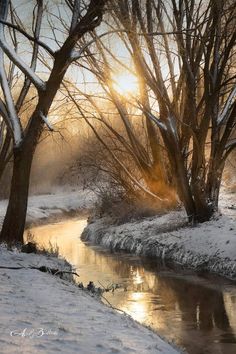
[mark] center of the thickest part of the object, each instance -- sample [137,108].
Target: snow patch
[45,206]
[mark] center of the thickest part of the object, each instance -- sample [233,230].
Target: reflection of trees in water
[121,266]
[230,305]
[203,307]
[202,310]
[200,305]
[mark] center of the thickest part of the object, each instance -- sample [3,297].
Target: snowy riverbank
[206,247]
[45,314]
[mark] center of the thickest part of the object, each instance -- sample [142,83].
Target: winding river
[198,313]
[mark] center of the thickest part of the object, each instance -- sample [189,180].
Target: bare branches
[8,112]
[37,29]
[182,54]
[76,14]
[29,37]
[13,56]
[38,83]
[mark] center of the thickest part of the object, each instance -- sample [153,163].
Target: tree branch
[29,37]
[12,55]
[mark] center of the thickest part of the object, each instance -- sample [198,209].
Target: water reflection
[197,313]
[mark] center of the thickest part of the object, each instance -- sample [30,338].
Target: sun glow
[125,83]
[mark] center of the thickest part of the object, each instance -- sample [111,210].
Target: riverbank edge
[144,239]
[10,257]
[52,261]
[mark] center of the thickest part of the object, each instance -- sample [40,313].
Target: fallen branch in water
[115,308]
[112,287]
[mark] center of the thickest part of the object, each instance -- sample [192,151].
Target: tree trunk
[184,191]
[203,207]
[213,184]
[179,172]
[14,222]
[5,153]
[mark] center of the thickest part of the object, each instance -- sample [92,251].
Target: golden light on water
[137,278]
[137,306]
[137,296]
[125,83]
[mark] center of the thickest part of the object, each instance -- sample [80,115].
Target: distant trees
[183,55]
[25,136]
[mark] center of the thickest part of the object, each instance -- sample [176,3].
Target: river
[196,312]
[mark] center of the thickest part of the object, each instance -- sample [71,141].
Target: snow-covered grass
[210,246]
[41,313]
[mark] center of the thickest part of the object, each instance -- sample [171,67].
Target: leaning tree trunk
[14,222]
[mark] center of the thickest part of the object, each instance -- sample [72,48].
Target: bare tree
[25,137]
[128,135]
[184,56]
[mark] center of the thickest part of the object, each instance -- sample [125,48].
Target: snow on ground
[210,246]
[41,313]
[45,206]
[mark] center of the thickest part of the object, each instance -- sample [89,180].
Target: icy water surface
[196,312]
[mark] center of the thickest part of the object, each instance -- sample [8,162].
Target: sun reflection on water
[136,306]
[137,278]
